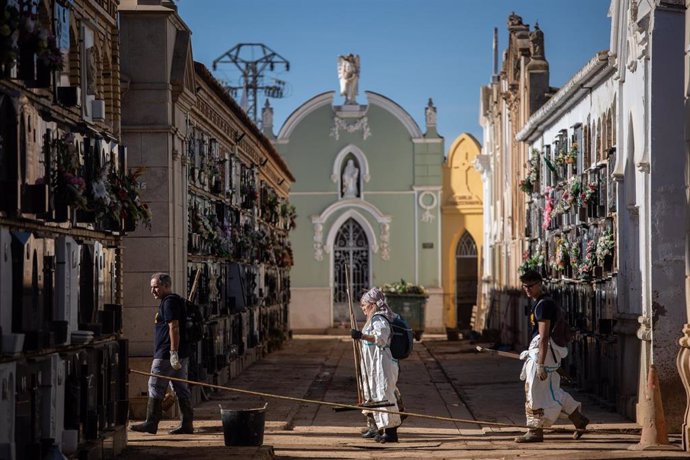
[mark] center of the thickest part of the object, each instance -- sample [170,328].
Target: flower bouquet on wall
[561,160]
[69,188]
[604,250]
[574,259]
[571,156]
[562,257]
[586,268]
[126,205]
[548,209]
[587,199]
[531,262]
[526,186]
[288,213]
[531,182]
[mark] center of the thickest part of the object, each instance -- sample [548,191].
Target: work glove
[357,335]
[175,361]
[541,372]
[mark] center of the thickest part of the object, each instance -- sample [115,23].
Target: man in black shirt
[545,399]
[170,359]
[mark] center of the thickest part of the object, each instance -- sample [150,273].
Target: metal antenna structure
[253,60]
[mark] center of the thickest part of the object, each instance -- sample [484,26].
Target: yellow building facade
[462,237]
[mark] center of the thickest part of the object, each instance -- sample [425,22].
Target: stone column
[665,183]
[483,164]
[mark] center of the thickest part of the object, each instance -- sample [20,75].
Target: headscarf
[377,297]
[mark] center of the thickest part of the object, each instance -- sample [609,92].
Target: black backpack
[194,321]
[402,337]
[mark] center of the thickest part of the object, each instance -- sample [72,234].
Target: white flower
[100,191]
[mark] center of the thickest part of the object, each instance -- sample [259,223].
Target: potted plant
[408,300]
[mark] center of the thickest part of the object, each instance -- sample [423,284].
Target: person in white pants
[544,397]
[379,367]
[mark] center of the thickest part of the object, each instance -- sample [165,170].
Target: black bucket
[243,427]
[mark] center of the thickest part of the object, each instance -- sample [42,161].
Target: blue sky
[410,50]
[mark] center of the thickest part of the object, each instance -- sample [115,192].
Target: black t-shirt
[171,308]
[544,308]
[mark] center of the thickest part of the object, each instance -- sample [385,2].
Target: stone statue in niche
[350,176]
[348,73]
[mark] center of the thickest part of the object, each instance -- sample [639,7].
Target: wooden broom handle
[195,285]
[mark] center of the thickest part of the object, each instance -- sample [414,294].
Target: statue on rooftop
[514,20]
[348,73]
[536,39]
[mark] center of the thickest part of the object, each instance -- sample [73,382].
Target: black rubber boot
[154,413]
[371,423]
[370,431]
[580,422]
[186,418]
[389,435]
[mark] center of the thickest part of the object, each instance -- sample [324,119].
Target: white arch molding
[401,114]
[298,115]
[326,98]
[357,217]
[354,208]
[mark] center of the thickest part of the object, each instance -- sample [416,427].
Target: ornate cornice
[596,69]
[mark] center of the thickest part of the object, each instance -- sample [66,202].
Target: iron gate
[351,250]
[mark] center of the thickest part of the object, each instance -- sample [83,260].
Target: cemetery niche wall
[67,196]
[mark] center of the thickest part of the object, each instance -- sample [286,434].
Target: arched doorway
[350,251]
[465,281]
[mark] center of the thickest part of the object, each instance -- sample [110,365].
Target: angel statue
[348,73]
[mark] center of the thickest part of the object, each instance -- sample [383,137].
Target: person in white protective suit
[544,397]
[380,370]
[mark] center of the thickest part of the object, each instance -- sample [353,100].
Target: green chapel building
[367,194]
